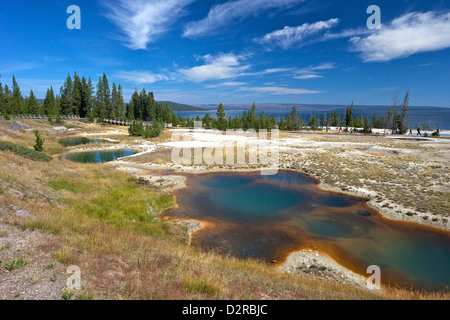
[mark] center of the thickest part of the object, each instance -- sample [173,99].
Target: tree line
[78,96]
[395,119]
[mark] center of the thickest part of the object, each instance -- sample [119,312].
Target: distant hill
[179,106]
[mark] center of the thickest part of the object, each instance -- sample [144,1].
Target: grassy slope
[105,224]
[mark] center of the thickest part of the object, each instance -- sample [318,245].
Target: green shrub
[67,294]
[15,264]
[58,119]
[153,131]
[137,129]
[24,152]
[200,286]
[39,146]
[50,266]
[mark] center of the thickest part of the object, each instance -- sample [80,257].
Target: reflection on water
[98,156]
[76,141]
[269,217]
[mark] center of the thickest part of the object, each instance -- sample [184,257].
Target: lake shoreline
[297,259]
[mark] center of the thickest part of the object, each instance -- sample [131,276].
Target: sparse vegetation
[138,129]
[100,217]
[67,294]
[24,152]
[39,146]
[50,266]
[15,264]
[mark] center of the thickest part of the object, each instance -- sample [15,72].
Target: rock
[24,214]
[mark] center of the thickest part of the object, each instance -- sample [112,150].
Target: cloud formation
[312,72]
[279,90]
[220,67]
[144,21]
[141,77]
[226,13]
[407,35]
[291,36]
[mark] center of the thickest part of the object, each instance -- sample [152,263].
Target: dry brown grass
[122,259]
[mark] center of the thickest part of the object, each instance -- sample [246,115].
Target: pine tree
[66,93]
[150,112]
[58,118]
[132,112]
[2,105]
[376,122]
[77,95]
[313,122]
[113,101]
[221,118]
[207,121]
[323,120]
[99,98]
[264,121]
[39,146]
[16,101]
[6,99]
[49,105]
[88,99]
[366,125]
[349,116]
[106,94]
[136,128]
[167,113]
[31,104]
[142,105]
[117,101]
[120,103]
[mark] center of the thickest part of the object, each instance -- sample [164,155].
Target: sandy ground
[38,276]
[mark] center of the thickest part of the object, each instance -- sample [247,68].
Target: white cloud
[307,76]
[291,36]
[143,21]
[407,35]
[226,13]
[17,66]
[141,76]
[226,84]
[311,72]
[279,90]
[220,67]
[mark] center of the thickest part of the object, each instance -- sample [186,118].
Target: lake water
[98,156]
[268,217]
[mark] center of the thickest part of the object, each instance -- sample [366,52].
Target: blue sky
[239,51]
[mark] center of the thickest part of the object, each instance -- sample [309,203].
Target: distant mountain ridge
[304,107]
[179,106]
